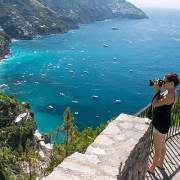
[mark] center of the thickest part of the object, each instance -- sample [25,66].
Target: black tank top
[162,118]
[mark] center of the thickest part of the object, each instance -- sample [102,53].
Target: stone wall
[120,152]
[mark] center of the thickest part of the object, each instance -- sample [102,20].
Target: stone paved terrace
[172,162]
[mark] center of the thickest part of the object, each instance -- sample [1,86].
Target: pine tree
[68,128]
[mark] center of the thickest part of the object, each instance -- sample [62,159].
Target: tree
[68,128]
[57,132]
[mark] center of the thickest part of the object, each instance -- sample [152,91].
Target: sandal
[150,172]
[162,168]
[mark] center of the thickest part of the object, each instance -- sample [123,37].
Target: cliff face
[4,44]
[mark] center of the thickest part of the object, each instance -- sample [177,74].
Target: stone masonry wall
[120,152]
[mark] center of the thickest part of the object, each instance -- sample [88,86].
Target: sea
[66,70]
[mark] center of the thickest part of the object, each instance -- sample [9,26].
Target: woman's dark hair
[173,77]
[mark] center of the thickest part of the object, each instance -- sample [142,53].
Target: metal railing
[175,119]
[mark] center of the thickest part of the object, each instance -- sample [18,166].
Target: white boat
[36,83]
[82,51]
[105,68]
[131,70]
[66,68]
[3,86]
[70,65]
[114,28]
[117,101]
[50,107]
[75,101]
[86,72]
[72,48]
[94,96]
[114,58]
[61,93]
[76,113]
[71,71]
[34,52]
[105,45]
[102,75]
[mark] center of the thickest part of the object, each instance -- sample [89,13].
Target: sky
[156,3]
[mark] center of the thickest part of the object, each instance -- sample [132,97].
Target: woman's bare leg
[163,153]
[158,141]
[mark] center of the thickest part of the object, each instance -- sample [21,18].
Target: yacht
[75,101]
[76,113]
[117,101]
[3,86]
[70,65]
[61,93]
[50,107]
[105,45]
[131,70]
[94,96]
[71,71]
[114,28]
[86,72]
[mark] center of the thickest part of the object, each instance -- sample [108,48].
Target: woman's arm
[165,100]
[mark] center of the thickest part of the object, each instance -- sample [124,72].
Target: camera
[160,82]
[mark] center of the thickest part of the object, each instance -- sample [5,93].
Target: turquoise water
[149,47]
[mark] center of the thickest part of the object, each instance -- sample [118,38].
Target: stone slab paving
[172,162]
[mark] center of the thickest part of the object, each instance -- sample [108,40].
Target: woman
[162,117]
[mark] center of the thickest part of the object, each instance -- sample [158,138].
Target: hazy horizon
[175,4]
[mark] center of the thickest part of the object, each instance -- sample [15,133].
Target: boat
[86,72]
[34,52]
[76,113]
[114,58]
[71,71]
[66,68]
[105,45]
[36,83]
[72,48]
[75,101]
[94,96]
[105,68]
[3,86]
[114,28]
[50,107]
[61,93]
[102,59]
[102,75]
[131,70]
[117,101]
[70,65]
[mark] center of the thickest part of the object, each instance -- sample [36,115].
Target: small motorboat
[94,96]
[50,107]
[3,86]
[118,101]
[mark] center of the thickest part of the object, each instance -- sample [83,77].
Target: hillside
[26,19]
[86,11]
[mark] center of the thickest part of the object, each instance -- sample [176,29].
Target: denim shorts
[155,131]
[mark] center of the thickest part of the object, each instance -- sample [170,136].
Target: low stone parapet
[120,152]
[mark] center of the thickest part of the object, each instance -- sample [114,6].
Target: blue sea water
[148,47]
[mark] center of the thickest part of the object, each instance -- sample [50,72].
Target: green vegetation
[16,142]
[19,158]
[74,141]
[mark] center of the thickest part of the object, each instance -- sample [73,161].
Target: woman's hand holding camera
[156,85]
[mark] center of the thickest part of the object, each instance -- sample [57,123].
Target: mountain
[86,11]
[26,19]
